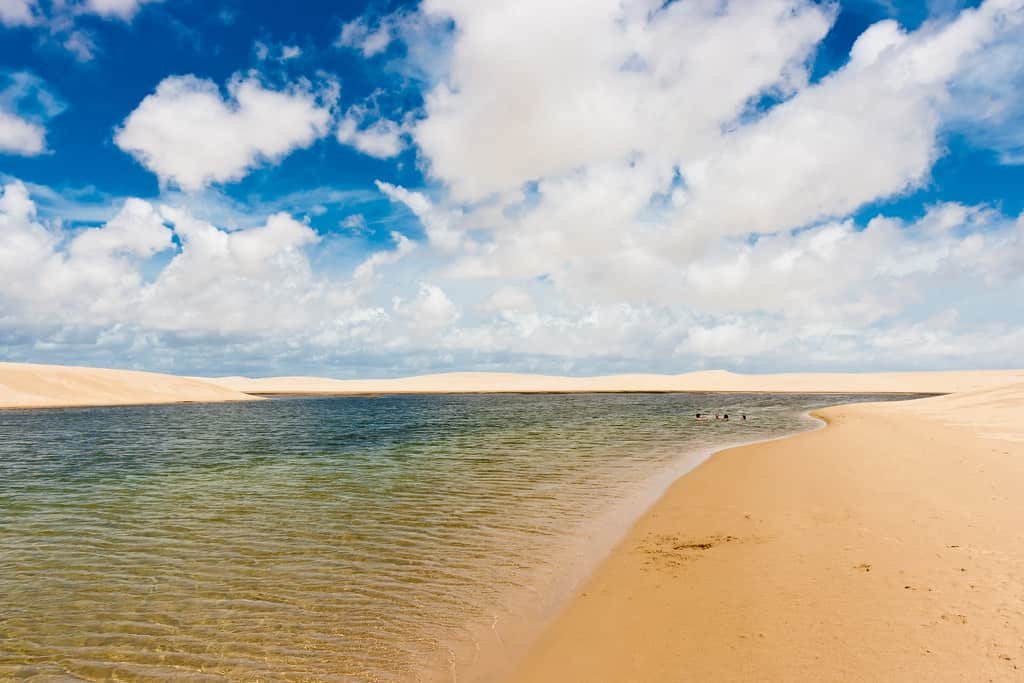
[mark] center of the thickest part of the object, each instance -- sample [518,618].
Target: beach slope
[887,546]
[24,385]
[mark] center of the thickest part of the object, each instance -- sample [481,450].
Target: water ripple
[355,539]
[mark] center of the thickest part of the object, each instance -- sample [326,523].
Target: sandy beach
[886,546]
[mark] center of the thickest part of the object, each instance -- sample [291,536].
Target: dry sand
[888,546]
[50,386]
[715,380]
[25,385]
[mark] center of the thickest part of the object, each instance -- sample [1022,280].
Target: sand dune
[884,547]
[27,386]
[716,380]
[50,386]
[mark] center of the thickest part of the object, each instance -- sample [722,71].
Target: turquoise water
[353,538]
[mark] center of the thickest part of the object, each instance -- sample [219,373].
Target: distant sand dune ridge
[24,385]
[713,380]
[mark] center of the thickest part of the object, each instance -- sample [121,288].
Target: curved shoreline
[823,555]
[497,656]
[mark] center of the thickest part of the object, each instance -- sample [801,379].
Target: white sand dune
[715,380]
[32,386]
[25,385]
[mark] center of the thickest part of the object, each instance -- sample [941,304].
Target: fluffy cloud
[191,136]
[18,136]
[869,130]
[20,133]
[440,224]
[119,9]
[625,184]
[381,138]
[91,276]
[18,12]
[884,296]
[249,280]
[601,80]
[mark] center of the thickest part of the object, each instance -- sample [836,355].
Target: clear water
[351,538]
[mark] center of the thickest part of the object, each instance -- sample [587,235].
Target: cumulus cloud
[601,80]
[366,271]
[190,135]
[93,275]
[626,184]
[25,105]
[18,136]
[380,138]
[867,131]
[119,9]
[248,280]
[439,224]
[18,12]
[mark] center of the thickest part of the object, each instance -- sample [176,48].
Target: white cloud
[867,131]
[370,40]
[86,278]
[509,299]
[429,311]
[367,270]
[18,12]
[381,139]
[248,280]
[254,293]
[601,80]
[438,223]
[21,134]
[626,184]
[986,103]
[191,136]
[58,22]
[281,53]
[18,136]
[81,45]
[124,10]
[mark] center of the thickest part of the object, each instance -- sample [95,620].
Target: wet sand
[887,546]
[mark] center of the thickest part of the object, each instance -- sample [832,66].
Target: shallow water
[349,538]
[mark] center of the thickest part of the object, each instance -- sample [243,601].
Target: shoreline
[501,647]
[747,566]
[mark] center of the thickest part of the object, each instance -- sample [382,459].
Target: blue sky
[376,189]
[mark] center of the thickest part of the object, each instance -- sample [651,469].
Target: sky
[222,187]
